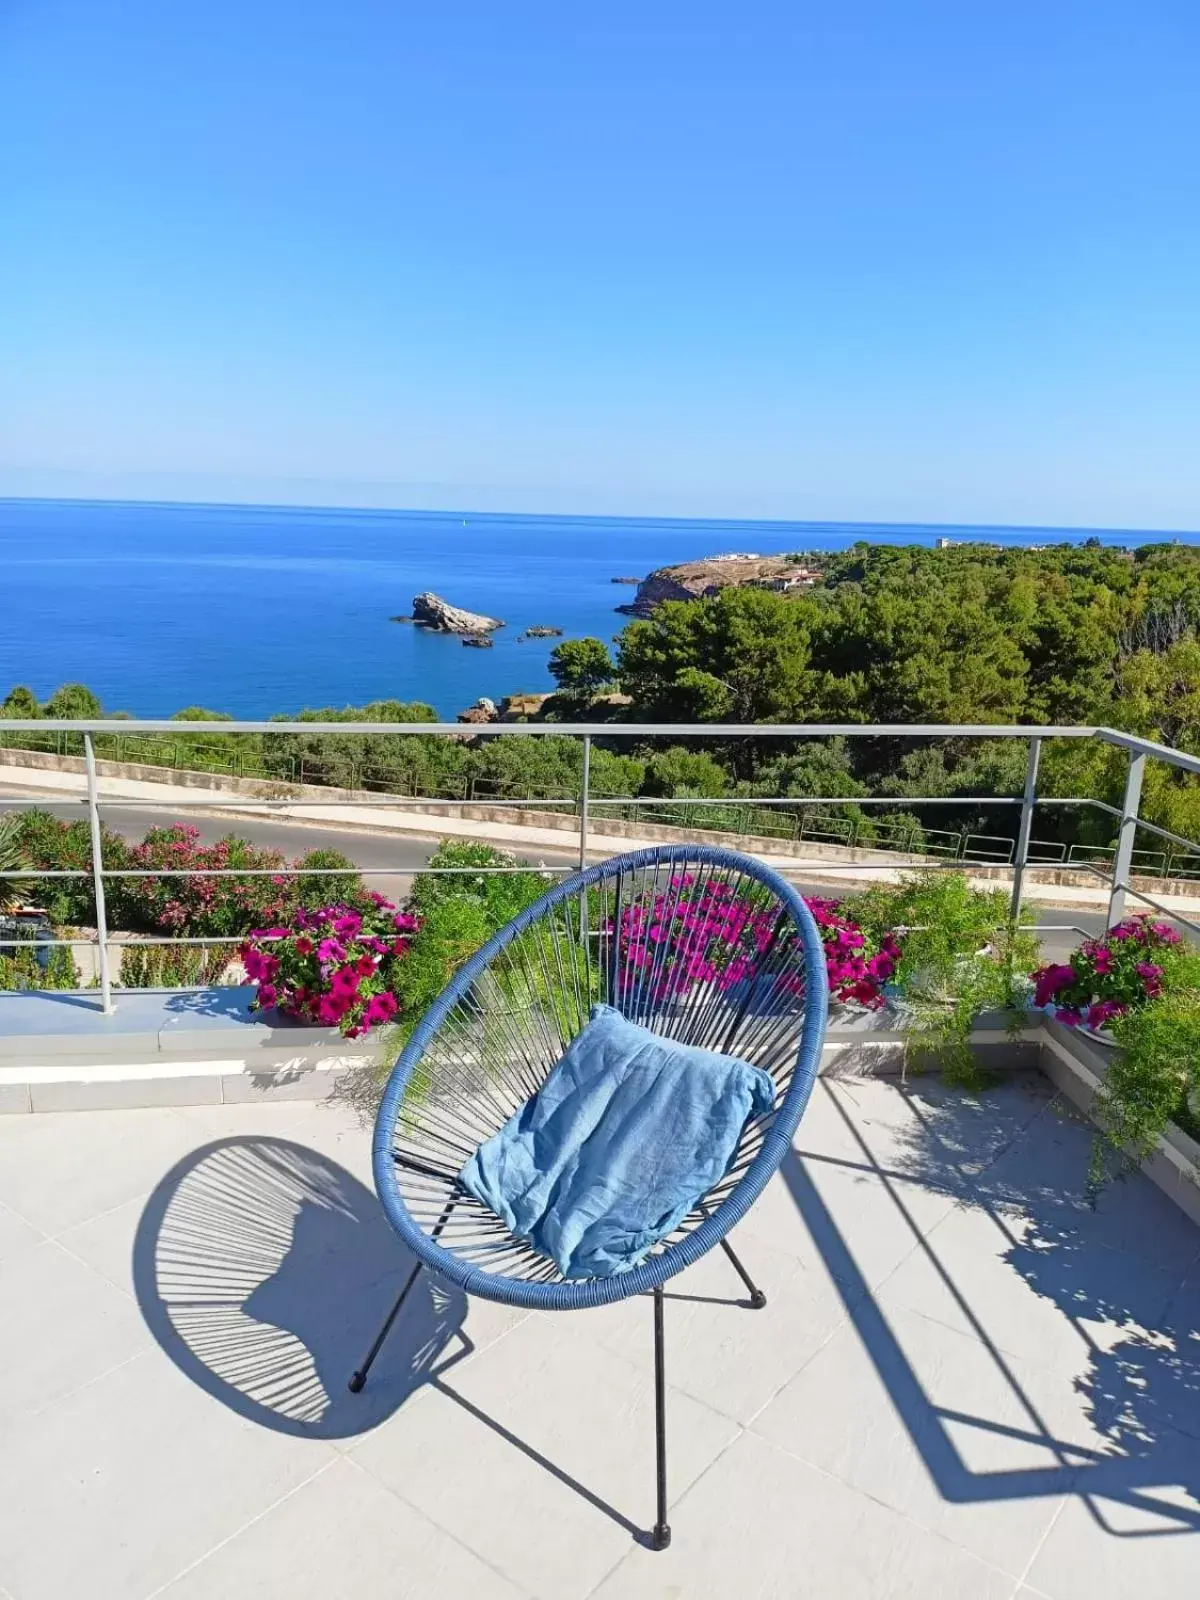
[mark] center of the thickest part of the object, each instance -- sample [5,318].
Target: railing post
[89,756]
[1126,837]
[1028,804]
[584,783]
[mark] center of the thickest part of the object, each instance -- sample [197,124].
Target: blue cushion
[627,1133]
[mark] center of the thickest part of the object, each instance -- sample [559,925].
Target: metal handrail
[585,802]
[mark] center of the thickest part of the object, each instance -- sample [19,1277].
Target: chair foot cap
[661,1537]
[757,1300]
[356,1383]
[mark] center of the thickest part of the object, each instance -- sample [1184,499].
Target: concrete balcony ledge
[59,1052]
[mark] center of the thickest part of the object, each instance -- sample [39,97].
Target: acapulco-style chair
[699,944]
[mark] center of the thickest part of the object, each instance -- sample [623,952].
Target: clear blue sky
[889,259]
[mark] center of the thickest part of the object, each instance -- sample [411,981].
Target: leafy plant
[11,858]
[48,843]
[22,969]
[501,893]
[164,966]
[960,955]
[581,667]
[323,884]
[1153,1078]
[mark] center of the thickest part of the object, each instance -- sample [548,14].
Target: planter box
[1077,1065]
[860,1043]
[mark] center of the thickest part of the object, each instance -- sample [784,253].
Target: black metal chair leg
[661,1537]
[360,1377]
[757,1298]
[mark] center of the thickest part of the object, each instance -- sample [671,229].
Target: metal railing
[945,849]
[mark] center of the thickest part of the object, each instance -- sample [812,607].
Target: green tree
[73,702]
[581,667]
[21,704]
[687,773]
[741,655]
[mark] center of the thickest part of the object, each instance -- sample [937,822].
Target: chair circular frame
[672,1257]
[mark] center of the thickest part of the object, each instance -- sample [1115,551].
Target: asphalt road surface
[389,860]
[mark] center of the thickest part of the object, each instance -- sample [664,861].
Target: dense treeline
[904,634]
[970,634]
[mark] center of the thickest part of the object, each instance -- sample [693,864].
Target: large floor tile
[1131,1531]
[990,1271]
[1150,1382]
[1045,1175]
[761,1523]
[718,1350]
[859,1223]
[540,1455]
[116,1488]
[974,1445]
[341,1534]
[16,1235]
[61,1325]
[59,1170]
[330,1127]
[931,1132]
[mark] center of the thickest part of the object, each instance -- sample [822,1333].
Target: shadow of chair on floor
[262,1268]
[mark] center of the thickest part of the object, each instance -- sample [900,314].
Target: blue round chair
[699,944]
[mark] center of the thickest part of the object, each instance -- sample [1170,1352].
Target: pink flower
[1102,959]
[1069,1016]
[348,926]
[381,1008]
[345,981]
[267,996]
[304,946]
[1049,980]
[364,966]
[1103,1011]
[330,950]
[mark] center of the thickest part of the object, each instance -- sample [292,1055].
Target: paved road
[380,855]
[387,860]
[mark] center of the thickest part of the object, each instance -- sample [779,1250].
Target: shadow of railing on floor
[1141,1390]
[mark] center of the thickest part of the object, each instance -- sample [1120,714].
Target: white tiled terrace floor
[965,1384]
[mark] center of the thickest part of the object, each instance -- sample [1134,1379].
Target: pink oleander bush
[338,965]
[223,905]
[708,932]
[1109,976]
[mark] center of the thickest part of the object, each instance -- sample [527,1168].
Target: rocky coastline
[695,580]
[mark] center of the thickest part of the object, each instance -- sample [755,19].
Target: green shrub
[11,859]
[20,969]
[459,912]
[322,886]
[49,843]
[165,966]
[502,895]
[960,955]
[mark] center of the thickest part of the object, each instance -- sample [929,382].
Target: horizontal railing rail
[782,817]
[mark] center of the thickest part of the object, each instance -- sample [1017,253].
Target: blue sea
[254,610]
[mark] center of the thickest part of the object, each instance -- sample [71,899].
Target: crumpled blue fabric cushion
[627,1133]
